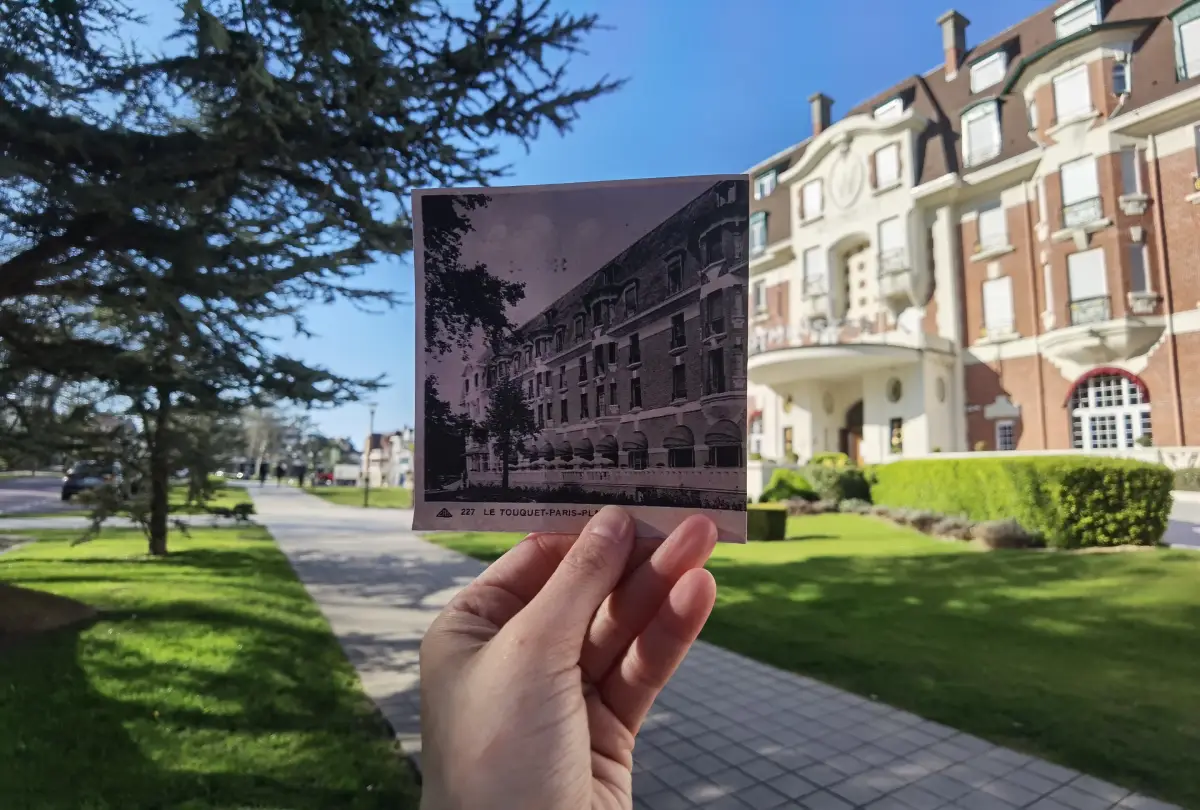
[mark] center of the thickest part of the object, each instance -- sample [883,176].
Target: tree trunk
[504,471]
[160,474]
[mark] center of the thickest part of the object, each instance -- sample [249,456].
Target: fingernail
[611,523]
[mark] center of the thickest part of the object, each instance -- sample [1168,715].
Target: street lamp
[370,437]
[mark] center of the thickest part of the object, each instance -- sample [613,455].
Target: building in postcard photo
[621,378]
[1001,254]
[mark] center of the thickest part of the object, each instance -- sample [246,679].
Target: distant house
[388,460]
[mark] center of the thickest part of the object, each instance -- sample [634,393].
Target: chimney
[954,40]
[822,112]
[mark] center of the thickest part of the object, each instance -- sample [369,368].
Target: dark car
[86,475]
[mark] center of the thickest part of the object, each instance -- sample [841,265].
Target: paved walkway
[727,733]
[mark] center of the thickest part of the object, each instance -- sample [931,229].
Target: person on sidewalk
[280,472]
[536,677]
[264,470]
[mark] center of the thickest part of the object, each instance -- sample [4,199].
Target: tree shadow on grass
[193,703]
[1088,660]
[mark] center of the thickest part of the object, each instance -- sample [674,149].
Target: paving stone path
[728,733]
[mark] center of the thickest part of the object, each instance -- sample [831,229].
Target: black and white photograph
[582,345]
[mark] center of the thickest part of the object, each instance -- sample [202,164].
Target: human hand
[536,677]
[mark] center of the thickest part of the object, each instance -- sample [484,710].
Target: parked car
[87,475]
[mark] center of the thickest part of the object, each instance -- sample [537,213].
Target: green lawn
[1090,660]
[212,681]
[382,498]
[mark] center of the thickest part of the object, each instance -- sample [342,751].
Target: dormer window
[758,232]
[765,183]
[1187,41]
[981,133]
[890,110]
[1075,16]
[988,71]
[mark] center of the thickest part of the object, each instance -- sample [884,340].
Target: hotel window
[988,71]
[562,407]
[583,406]
[811,201]
[998,306]
[612,354]
[887,166]
[601,400]
[583,369]
[631,302]
[1139,279]
[1120,79]
[579,321]
[981,133]
[562,376]
[765,183]
[679,381]
[599,357]
[993,227]
[635,393]
[674,275]
[1109,412]
[635,349]
[529,388]
[599,313]
[758,232]
[892,253]
[756,435]
[815,279]
[539,383]
[1073,17]
[541,416]
[1006,435]
[890,110]
[1080,192]
[759,293]
[714,321]
[612,396]
[678,332]
[1131,172]
[714,382]
[560,337]
[1087,286]
[1072,94]
[1187,42]
[713,245]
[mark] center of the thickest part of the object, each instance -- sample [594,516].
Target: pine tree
[177,205]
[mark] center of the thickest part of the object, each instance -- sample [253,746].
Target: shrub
[787,485]
[840,483]
[766,522]
[1002,534]
[1071,501]
[953,528]
[826,505]
[1188,480]
[879,510]
[854,506]
[756,456]
[830,460]
[923,521]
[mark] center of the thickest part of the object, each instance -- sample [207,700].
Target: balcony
[893,261]
[1083,213]
[1090,310]
[714,327]
[608,413]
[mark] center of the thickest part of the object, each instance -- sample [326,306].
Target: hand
[536,677]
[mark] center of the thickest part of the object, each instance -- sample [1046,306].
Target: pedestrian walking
[280,472]
[264,469]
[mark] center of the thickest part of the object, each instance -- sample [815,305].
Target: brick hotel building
[636,376]
[1001,254]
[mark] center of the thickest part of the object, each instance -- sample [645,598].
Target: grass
[1087,660]
[223,496]
[210,681]
[382,498]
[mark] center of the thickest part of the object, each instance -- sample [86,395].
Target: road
[37,495]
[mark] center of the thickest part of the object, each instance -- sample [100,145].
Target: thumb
[563,609]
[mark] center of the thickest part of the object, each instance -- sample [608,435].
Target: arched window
[1109,411]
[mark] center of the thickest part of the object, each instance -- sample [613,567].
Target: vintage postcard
[582,345]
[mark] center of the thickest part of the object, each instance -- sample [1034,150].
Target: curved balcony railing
[1091,310]
[1082,212]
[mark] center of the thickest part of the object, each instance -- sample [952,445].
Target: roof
[943,101]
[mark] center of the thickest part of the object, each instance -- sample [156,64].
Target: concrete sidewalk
[727,733]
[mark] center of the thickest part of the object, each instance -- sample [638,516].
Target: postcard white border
[651,521]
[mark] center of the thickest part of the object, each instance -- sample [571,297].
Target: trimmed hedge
[1070,501]
[787,485]
[830,460]
[766,522]
[840,483]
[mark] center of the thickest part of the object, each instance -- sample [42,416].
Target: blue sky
[714,87]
